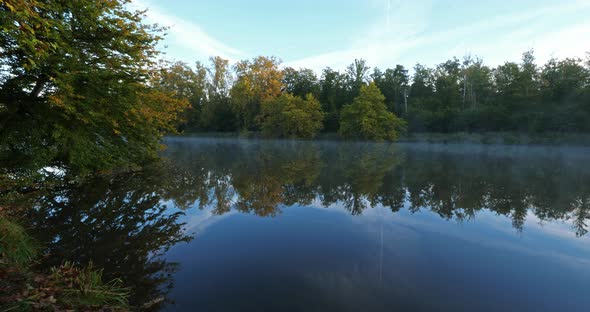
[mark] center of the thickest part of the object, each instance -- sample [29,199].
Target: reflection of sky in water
[486,229]
[377,261]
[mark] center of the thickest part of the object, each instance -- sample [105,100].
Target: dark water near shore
[253,225]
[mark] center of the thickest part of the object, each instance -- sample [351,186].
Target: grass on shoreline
[66,287]
[16,247]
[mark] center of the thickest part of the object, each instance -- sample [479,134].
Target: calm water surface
[249,225]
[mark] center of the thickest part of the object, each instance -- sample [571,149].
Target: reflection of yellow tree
[260,194]
[275,177]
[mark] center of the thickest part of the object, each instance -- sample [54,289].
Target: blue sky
[320,33]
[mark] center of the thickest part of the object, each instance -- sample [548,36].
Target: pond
[256,225]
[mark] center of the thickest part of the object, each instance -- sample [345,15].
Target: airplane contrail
[388,14]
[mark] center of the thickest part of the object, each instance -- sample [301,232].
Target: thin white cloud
[399,37]
[568,42]
[186,35]
[386,39]
[403,35]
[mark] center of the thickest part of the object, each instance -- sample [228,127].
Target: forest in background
[454,96]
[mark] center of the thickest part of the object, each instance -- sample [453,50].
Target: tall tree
[256,81]
[447,77]
[563,93]
[357,75]
[300,82]
[333,97]
[422,82]
[367,117]
[183,83]
[292,116]
[509,97]
[563,79]
[217,112]
[73,86]
[422,101]
[394,84]
[476,83]
[529,76]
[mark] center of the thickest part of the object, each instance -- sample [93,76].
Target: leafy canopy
[74,89]
[256,81]
[368,118]
[292,116]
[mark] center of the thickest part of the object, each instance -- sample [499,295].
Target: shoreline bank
[483,138]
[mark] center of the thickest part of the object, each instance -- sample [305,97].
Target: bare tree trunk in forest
[464,88]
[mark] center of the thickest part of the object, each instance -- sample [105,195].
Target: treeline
[457,95]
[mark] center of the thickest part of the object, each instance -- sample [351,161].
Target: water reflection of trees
[262,177]
[120,224]
[123,224]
